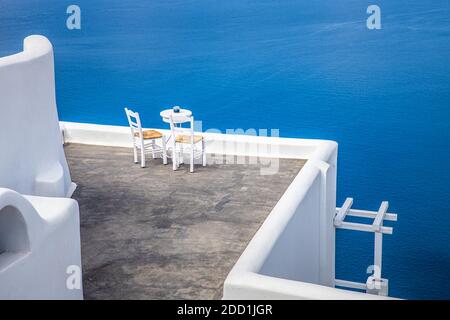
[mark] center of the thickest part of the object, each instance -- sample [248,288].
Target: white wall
[295,254]
[39,232]
[292,256]
[295,247]
[119,136]
[39,240]
[32,158]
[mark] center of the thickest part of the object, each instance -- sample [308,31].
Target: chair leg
[192,158]
[153,149]
[174,162]
[135,154]
[181,159]
[142,158]
[164,151]
[174,158]
[203,153]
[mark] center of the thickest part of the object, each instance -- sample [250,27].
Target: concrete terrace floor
[155,233]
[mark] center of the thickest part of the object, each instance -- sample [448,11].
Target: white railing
[375,284]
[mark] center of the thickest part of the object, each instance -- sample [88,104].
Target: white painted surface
[39,239]
[33,160]
[143,146]
[375,284]
[292,255]
[119,136]
[195,148]
[165,114]
[39,233]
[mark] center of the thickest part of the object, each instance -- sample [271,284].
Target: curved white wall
[32,157]
[292,255]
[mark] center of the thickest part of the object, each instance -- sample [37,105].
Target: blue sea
[309,68]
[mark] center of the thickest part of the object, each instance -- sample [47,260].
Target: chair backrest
[135,123]
[178,119]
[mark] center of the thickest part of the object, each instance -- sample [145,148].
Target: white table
[165,114]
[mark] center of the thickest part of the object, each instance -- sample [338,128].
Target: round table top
[165,114]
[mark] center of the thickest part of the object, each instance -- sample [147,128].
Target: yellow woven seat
[149,134]
[187,139]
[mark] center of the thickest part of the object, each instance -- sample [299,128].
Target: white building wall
[32,156]
[40,254]
[40,250]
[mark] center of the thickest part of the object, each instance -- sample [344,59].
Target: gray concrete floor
[155,233]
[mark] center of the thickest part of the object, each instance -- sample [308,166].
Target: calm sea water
[310,68]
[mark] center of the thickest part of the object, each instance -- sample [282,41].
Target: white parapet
[227,144]
[292,256]
[32,158]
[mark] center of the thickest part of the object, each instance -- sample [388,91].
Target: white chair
[145,140]
[184,138]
